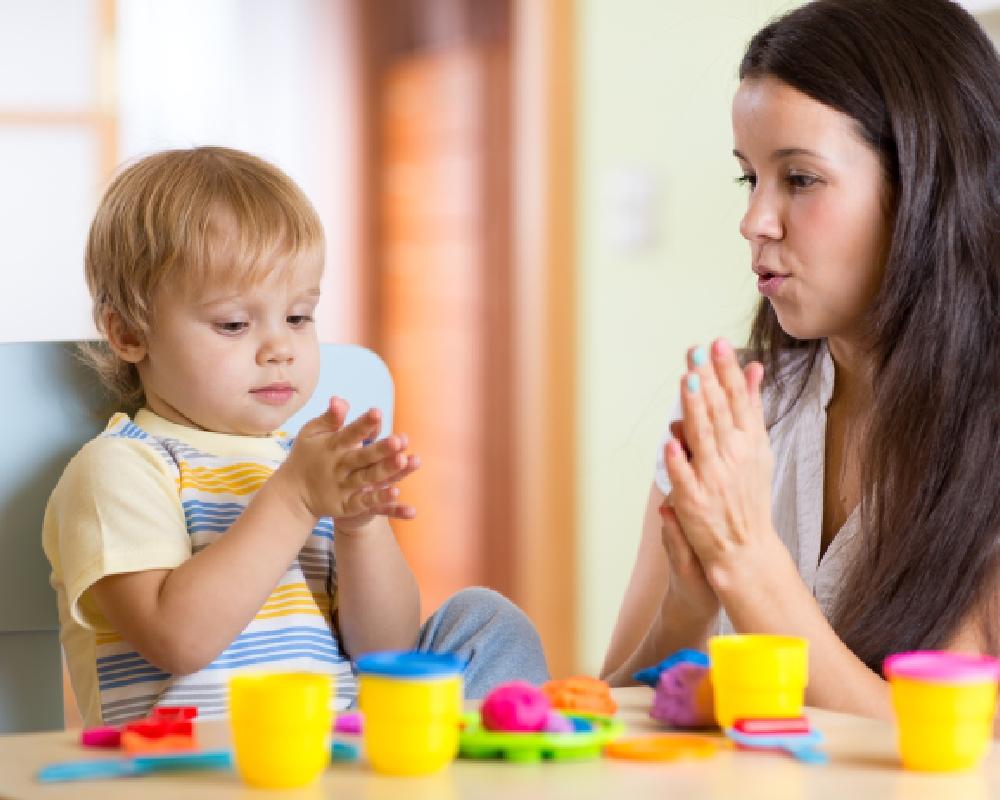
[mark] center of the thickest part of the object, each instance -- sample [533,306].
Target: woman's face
[817,218]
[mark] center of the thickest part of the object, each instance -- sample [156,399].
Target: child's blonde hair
[187,219]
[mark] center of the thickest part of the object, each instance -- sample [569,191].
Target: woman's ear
[128,344]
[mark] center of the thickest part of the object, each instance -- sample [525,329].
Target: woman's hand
[687,586]
[721,470]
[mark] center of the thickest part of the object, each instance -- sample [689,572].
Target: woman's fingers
[716,402]
[699,430]
[678,550]
[734,384]
[682,475]
[677,431]
[754,376]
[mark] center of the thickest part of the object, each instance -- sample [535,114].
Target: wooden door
[477,339]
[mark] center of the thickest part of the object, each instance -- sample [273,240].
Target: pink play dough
[516,707]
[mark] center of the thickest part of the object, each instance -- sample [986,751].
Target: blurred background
[530,213]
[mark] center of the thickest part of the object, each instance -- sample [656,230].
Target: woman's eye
[801,180]
[231,327]
[747,180]
[298,320]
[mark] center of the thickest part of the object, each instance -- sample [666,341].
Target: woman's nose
[762,220]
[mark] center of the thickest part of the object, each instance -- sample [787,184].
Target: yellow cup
[281,726]
[757,676]
[412,705]
[944,704]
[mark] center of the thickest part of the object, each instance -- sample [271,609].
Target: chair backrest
[51,406]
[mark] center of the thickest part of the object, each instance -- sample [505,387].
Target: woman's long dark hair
[922,82]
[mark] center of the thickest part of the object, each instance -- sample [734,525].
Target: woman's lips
[769,283]
[276,394]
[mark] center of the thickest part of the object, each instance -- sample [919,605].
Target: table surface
[863,764]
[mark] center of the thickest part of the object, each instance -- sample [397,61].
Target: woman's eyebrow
[784,152]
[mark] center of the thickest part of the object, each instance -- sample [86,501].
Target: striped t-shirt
[148,494]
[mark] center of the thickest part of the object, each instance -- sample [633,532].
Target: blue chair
[52,405]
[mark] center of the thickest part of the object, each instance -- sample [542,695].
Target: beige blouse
[798,441]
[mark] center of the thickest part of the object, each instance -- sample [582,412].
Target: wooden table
[863,764]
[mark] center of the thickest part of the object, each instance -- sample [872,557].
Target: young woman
[844,485]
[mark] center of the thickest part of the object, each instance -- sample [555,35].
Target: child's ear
[128,344]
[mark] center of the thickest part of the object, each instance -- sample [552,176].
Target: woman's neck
[853,379]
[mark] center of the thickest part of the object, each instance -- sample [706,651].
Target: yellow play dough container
[412,706]
[944,704]
[757,676]
[281,724]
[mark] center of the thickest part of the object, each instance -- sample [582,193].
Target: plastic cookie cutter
[160,762]
[651,675]
[351,724]
[107,736]
[590,733]
[110,736]
[662,747]
[174,713]
[158,736]
[792,735]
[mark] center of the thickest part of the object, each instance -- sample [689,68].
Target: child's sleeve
[116,509]
[660,475]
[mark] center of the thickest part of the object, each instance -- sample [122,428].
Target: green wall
[656,78]
[655,81]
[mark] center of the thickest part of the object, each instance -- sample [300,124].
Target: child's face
[234,360]
[816,218]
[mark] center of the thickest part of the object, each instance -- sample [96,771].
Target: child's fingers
[362,428]
[329,421]
[412,465]
[369,454]
[716,401]
[396,511]
[382,473]
[367,501]
[734,384]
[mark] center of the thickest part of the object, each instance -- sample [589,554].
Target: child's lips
[274,394]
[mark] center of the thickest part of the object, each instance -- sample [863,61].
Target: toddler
[192,540]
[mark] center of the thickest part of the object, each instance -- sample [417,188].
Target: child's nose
[277,350]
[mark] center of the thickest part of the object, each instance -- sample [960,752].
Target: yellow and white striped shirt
[148,494]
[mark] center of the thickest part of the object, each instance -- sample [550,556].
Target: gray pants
[495,638]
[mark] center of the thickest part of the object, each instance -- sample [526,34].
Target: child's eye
[231,328]
[299,320]
[747,179]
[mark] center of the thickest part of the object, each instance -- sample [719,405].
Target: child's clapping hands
[333,472]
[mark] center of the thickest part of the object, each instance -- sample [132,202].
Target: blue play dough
[651,675]
[581,725]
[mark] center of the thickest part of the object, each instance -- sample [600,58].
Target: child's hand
[334,474]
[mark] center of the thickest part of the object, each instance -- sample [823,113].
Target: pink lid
[942,667]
